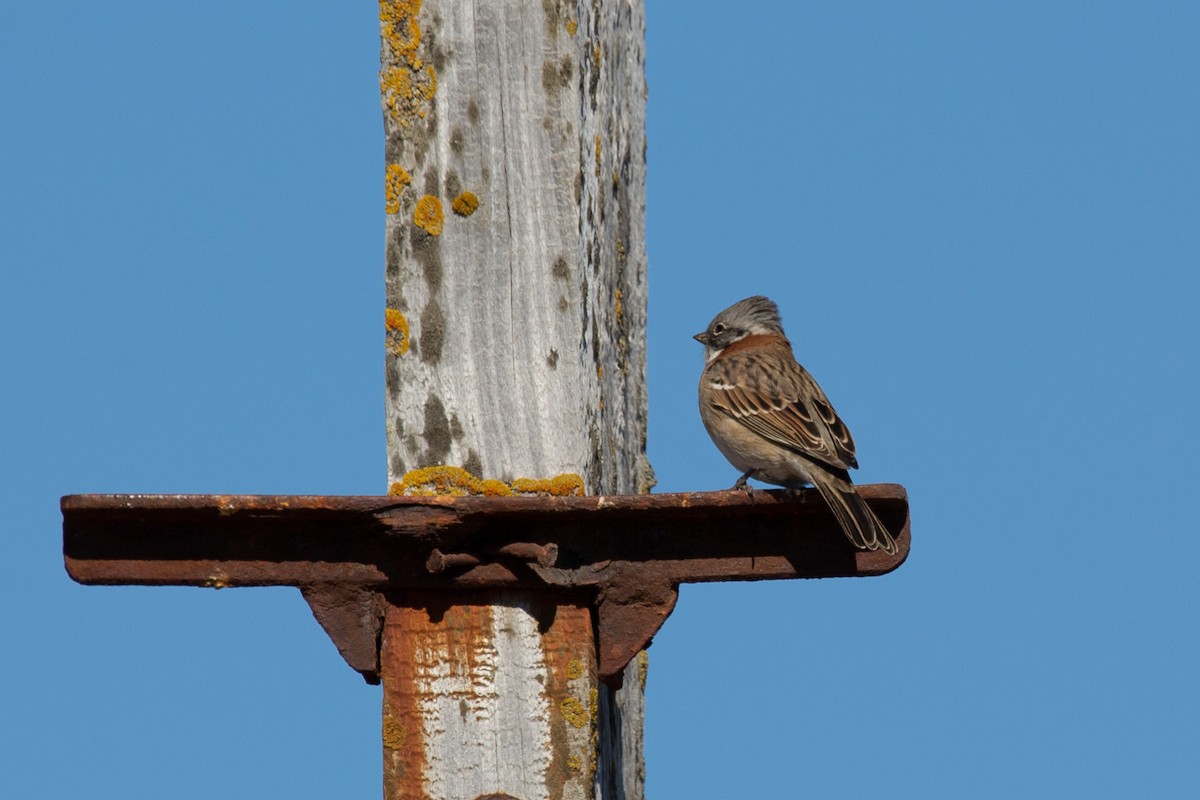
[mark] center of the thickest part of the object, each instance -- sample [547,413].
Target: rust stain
[421,635]
[403,725]
[417,644]
[571,669]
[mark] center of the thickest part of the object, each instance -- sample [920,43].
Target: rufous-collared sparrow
[769,417]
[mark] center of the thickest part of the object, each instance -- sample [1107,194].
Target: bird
[770,419]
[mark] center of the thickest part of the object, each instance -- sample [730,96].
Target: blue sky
[981,222]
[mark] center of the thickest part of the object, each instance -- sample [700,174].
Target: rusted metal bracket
[627,554]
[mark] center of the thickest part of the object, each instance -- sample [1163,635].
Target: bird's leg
[741,486]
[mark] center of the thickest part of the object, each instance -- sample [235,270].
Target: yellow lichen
[397,178]
[574,712]
[397,331]
[457,482]
[429,215]
[572,26]
[429,89]
[440,480]
[398,27]
[594,703]
[618,309]
[566,485]
[574,669]
[465,204]
[494,488]
[394,733]
[597,155]
[643,662]
[406,83]
[574,762]
[394,320]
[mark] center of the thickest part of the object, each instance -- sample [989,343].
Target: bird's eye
[719,328]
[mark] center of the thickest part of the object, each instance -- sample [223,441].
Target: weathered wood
[518,343]
[516,294]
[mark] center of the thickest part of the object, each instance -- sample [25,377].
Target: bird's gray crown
[753,315]
[756,314]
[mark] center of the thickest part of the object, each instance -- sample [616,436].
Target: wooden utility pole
[504,589]
[516,291]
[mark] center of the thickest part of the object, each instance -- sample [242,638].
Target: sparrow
[768,416]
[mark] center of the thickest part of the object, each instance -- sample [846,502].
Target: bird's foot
[740,485]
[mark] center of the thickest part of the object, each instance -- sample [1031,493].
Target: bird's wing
[776,398]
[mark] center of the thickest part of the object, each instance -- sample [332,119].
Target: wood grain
[516,295]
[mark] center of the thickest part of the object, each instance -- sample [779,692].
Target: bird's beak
[701,337]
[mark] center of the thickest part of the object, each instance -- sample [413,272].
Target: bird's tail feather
[858,521]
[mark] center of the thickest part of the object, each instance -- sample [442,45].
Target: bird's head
[749,317]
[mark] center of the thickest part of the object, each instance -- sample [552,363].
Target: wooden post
[516,306]
[516,287]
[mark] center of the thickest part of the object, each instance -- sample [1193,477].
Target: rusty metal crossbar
[626,554]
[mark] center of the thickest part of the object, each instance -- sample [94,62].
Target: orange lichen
[454,481]
[457,482]
[597,155]
[566,485]
[429,87]
[572,26]
[398,27]
[406,83]
[397,178]
[447,480]
[465,204]
[429,215]
[618,309]
[397,331]
[494,488]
